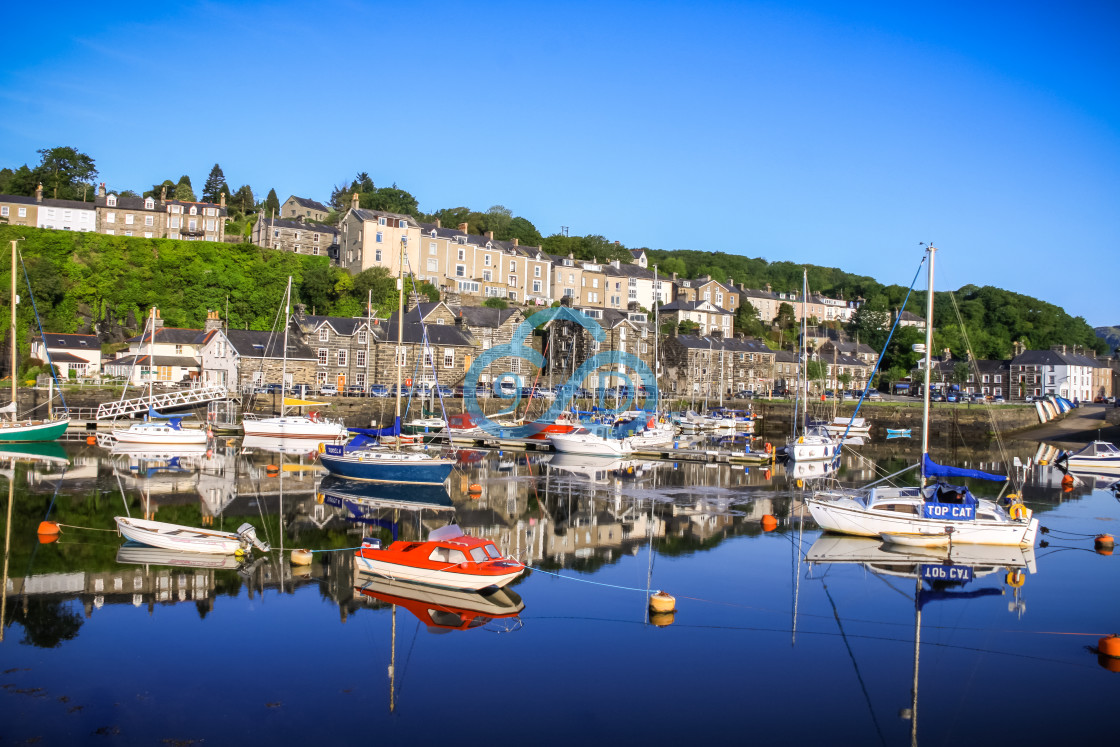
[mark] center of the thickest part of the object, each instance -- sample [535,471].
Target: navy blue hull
[412,472]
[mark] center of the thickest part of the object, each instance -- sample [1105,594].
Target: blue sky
[838,134]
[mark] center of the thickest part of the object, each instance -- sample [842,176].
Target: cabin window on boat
[477,555]
[492,551]
[902,508]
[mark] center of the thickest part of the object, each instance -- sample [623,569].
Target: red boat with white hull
[449,559]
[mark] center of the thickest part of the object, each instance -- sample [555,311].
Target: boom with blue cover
[931,468]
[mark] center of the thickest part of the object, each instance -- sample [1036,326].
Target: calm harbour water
[779,637]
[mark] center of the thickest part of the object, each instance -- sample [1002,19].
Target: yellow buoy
[1015,578]
[660,601]
[301,557]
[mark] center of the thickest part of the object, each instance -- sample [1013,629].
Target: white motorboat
[192,539]
[842,426]
[1098,455]
[815,445]
[933,508]
[160,433]
[591,439]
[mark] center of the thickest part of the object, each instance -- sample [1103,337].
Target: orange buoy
[769,523]
[661,619]
[474,488]
[1109,646]
[1067,480]
[766,474]
[301,557]
[209,453]
[48,527]
[272,469]
[1104,542]
[1067,488]
[46,539]
[91,440]
[1112,665]
[660,601]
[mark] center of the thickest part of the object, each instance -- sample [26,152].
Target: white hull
[588,443]
[157,434]
[429,577]
[294,426]
[812,448]
[178,537]
[917,539]
[850,518]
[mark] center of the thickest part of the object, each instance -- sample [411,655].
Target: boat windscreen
[451,531]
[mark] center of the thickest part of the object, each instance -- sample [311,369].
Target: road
[1080,426]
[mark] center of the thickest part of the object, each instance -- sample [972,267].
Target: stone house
[489,328]
[171,357]
[242,359]
[1055,371]
[705,288]
[568,345]
[19,210]
[343,349]
[295,208]
[862,351]
[373,238]
[711,318]
[296,236]
[78,353]
[434,348]
[707,366]
[159,219]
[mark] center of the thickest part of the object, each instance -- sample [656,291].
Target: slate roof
[733,344]
[680,305]
[18,199]
[251,343]
[75,342]
[183,361]
[67,358]
[413,332]
[484,316]
[309,203]
[221,210]
[130,203]
[172,336]
[301,226]
[366,214]
[342,325]
[1052,358]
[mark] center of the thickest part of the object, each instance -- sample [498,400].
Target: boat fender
[1104,541]
[322,448]
[475,488]
[769,447]
[801,440]
[1017,512]
[766,474]
[1016,578]
[1067,480]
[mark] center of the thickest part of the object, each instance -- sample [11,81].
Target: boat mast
[400,336]
[805,344]
[917,648]
[15,394]
[151,358]
[284,361]
[656,334]
[929,353]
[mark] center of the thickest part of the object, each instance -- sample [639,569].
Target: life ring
[1017,511]
[769,447]
[1016,578]
[408,382]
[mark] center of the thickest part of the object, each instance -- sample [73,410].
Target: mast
[15,394]
[929,352]
[656,334]
[400,339]
[284,361]
[805,344]
[151,357]
[917,645]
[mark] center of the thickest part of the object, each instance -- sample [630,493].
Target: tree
[389,200]
[243,199]
[785,317]
[497,219]
[65,173]
[271,204]
[494,302]
[19,182]
[747,321]
[215,183]
[184,192]
[166,188]
[960,373]
[524,231]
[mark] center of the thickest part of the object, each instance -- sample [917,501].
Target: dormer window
[404,224]
[194,210]
[433,233]
[111,201]
[149,204]
[380,221]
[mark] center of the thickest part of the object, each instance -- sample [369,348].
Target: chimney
[516,241]
[490,235]
[101,190]
[39,193]
[463,227]
[163,194]
[438,224]
[571,255]
[674,278]
[617,243]
[354,201]
[223,200]
[159,321]
[614,264]
[769,291]
[213,322]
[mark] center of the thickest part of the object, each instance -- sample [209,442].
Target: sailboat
[930,514]
[287,425]
[154,430]
[26,429]
[365,459]
[815,442]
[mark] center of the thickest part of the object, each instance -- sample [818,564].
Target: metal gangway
[159,402]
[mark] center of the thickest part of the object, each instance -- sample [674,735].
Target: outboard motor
[249,534]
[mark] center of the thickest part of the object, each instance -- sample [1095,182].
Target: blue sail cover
[931,468]
[389,430]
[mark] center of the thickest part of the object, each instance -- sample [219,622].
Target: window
[360,358]
[4,211]
[402,355]
[449,357]
[486,275]
[23,212]
[537,271]
[594,282]
[432,248]
[323,356]
[110,217]
[297,249]
[486,260]
[380,237]
[111,201]
[462,254]
[178,350]
[149,220]
[111,232]
[536,286]
[377,255]
[427,359]
[460,271]
[512,295]
[147,234]
[512,280]
[380,221]
[194,210]
[149,204]
[128,219]
[342,357]
[128,233]
[512,266]
[362,337]
[466,286]
[360,380]
[193,225]
[433,265]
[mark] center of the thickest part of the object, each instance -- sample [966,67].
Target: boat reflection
[598,468]
[137,554]
[440,609]
[276,445]
[360,496]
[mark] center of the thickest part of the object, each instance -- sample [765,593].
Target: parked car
[874,395]
[354,390]
[998,400]
[328,390]
[445,391]
[274,388]
[378,390]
